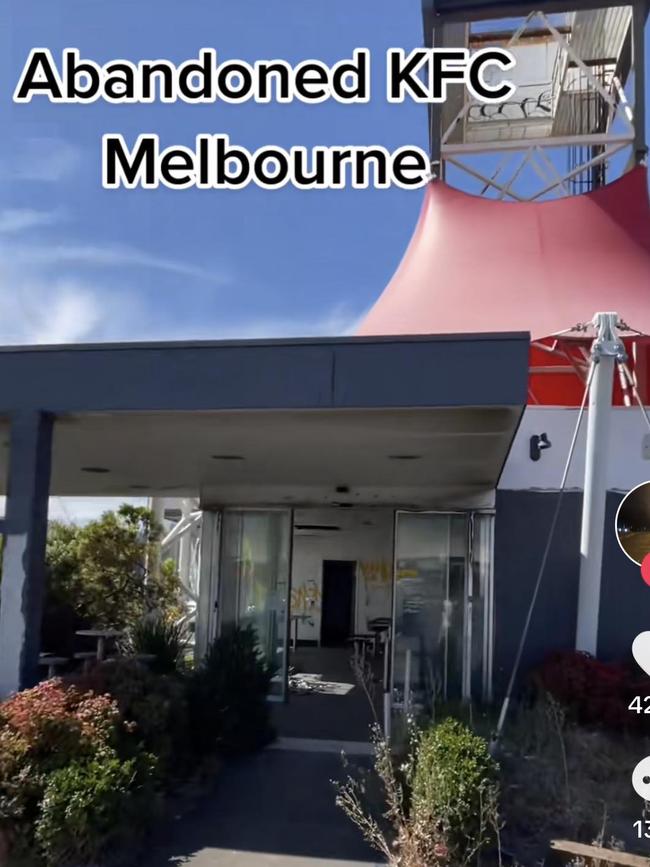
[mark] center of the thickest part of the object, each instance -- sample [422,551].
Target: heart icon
[641,650]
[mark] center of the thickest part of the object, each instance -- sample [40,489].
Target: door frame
[470,581]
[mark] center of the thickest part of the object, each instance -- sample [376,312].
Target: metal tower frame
[589,147]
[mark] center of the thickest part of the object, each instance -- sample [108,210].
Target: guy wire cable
[635,391]
[524,634]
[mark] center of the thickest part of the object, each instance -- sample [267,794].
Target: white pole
[185,545]
[607,348]
[387,715]
[407,682]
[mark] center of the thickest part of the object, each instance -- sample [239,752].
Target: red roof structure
[480,265]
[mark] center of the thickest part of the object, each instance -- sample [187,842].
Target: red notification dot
[645,569]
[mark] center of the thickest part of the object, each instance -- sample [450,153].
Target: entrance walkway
[339,710]
[273,809]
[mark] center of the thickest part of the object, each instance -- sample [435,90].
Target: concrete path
[345,717]
[274,809]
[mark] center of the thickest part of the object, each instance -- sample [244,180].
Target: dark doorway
[337,610]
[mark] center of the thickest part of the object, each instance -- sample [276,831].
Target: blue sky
[82,263]
[78,263]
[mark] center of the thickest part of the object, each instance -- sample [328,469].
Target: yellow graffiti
[375,573]
[306,597]
[407,573]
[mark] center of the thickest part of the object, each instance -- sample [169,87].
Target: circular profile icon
[641,779]
[633,524]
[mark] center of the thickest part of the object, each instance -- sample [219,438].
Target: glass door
[254,581]
[442,607]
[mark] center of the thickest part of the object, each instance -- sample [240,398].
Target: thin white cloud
[38,309]
[72,315]
[41,304]
[113,256]
[15,220]
[333,322]
[35,311]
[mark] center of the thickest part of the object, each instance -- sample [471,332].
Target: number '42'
[640,704]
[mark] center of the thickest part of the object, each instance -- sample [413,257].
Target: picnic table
[101,636]
[52,662]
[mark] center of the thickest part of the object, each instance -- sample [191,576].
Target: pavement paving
[273,809]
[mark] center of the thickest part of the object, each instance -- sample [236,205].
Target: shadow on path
[345,717]
[274,808]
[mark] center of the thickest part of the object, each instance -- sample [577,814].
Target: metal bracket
[607,343]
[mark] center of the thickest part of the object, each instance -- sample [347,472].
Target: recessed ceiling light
[227,457]
[95,470]
[404,457]
[323,527]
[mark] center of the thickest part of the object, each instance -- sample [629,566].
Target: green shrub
[227,695]
[154,706]
[21,789]
[98,569]
[165,640]
[90,805]
[455,789]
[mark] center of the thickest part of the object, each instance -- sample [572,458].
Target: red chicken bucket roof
[479,265]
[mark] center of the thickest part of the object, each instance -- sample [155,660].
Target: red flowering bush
[42,731]
[58,722]
[593,692]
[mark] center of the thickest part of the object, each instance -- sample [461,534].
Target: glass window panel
[482,570]
[431,552]
[231,544]
[254,580]
[456,604]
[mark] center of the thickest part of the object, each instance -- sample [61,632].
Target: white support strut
[606,351]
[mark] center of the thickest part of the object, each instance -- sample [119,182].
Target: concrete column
[23,560]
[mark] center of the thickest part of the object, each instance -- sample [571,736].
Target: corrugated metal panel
[598,37]
[467,10]
[600,34]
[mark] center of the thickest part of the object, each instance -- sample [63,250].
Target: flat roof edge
[273,341]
